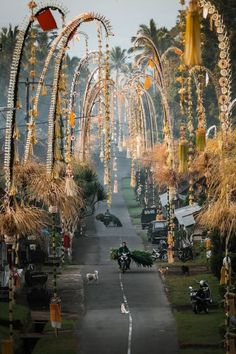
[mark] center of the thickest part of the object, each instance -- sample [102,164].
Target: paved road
[149,326]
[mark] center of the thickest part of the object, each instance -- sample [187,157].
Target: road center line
[130,316]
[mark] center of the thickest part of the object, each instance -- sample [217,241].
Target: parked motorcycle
[160,253]
[185,254]
[124,261]
[200,298]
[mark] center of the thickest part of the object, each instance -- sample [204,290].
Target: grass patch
[67,344]
[195,330]
[20,313]
[66,324]
[130,199]
[178,291]
[201,329]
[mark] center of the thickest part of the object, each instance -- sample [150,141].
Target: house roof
[163,198]
[185,215]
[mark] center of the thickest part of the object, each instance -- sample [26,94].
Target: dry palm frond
[158,158]
[219,215]
[52,191]
[23,173]
[47,190]
[221,177]
[16,219]
[71,188]
[210,157]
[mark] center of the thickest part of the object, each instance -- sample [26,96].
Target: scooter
[185,254]
[200,298]
[160,253]
[124,262]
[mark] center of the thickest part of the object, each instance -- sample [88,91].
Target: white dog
[123,308]
[92,277]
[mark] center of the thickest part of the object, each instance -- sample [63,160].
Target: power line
[45,122]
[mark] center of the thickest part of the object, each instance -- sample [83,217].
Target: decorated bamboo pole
[11,136]
[224,64]
[191,138]
[107,158]
[100,121]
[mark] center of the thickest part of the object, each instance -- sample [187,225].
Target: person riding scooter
[124,249]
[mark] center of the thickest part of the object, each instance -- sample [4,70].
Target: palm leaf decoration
[17,218]
[140,258]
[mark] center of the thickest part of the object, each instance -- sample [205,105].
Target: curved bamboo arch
[70,28]
[174,49]
[129,92]
[151,45]
[23,31]
[151,120]
[162,88]
[76,77]
[128,87]
[61,41]
[87,88]
[90,100]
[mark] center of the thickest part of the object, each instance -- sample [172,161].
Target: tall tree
[118,59]
[161,37]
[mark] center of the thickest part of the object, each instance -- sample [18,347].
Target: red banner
[46,20]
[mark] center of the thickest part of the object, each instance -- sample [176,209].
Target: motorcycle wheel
[123,268]
[196,309]
[164,257]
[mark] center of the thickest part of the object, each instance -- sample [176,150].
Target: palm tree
[7,40]
[161,37]
[118,58]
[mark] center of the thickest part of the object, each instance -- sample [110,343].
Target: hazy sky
[124,15]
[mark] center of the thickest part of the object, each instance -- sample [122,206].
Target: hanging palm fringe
[192,54]
[57,152]
[200,139]
[71,188]
[183,156]
[57,129]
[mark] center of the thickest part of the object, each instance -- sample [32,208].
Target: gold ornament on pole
[192,54]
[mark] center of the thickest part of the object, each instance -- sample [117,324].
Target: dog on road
[92,277]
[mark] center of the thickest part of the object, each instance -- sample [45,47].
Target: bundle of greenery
[141,258]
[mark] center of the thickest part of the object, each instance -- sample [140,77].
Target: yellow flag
[72,119]
[147,82]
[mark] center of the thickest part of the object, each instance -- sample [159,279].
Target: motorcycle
[160,253]
[200,298]
[124,261]
[185,254]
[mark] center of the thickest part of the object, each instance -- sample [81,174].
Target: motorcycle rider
[203,285]
[124,249]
